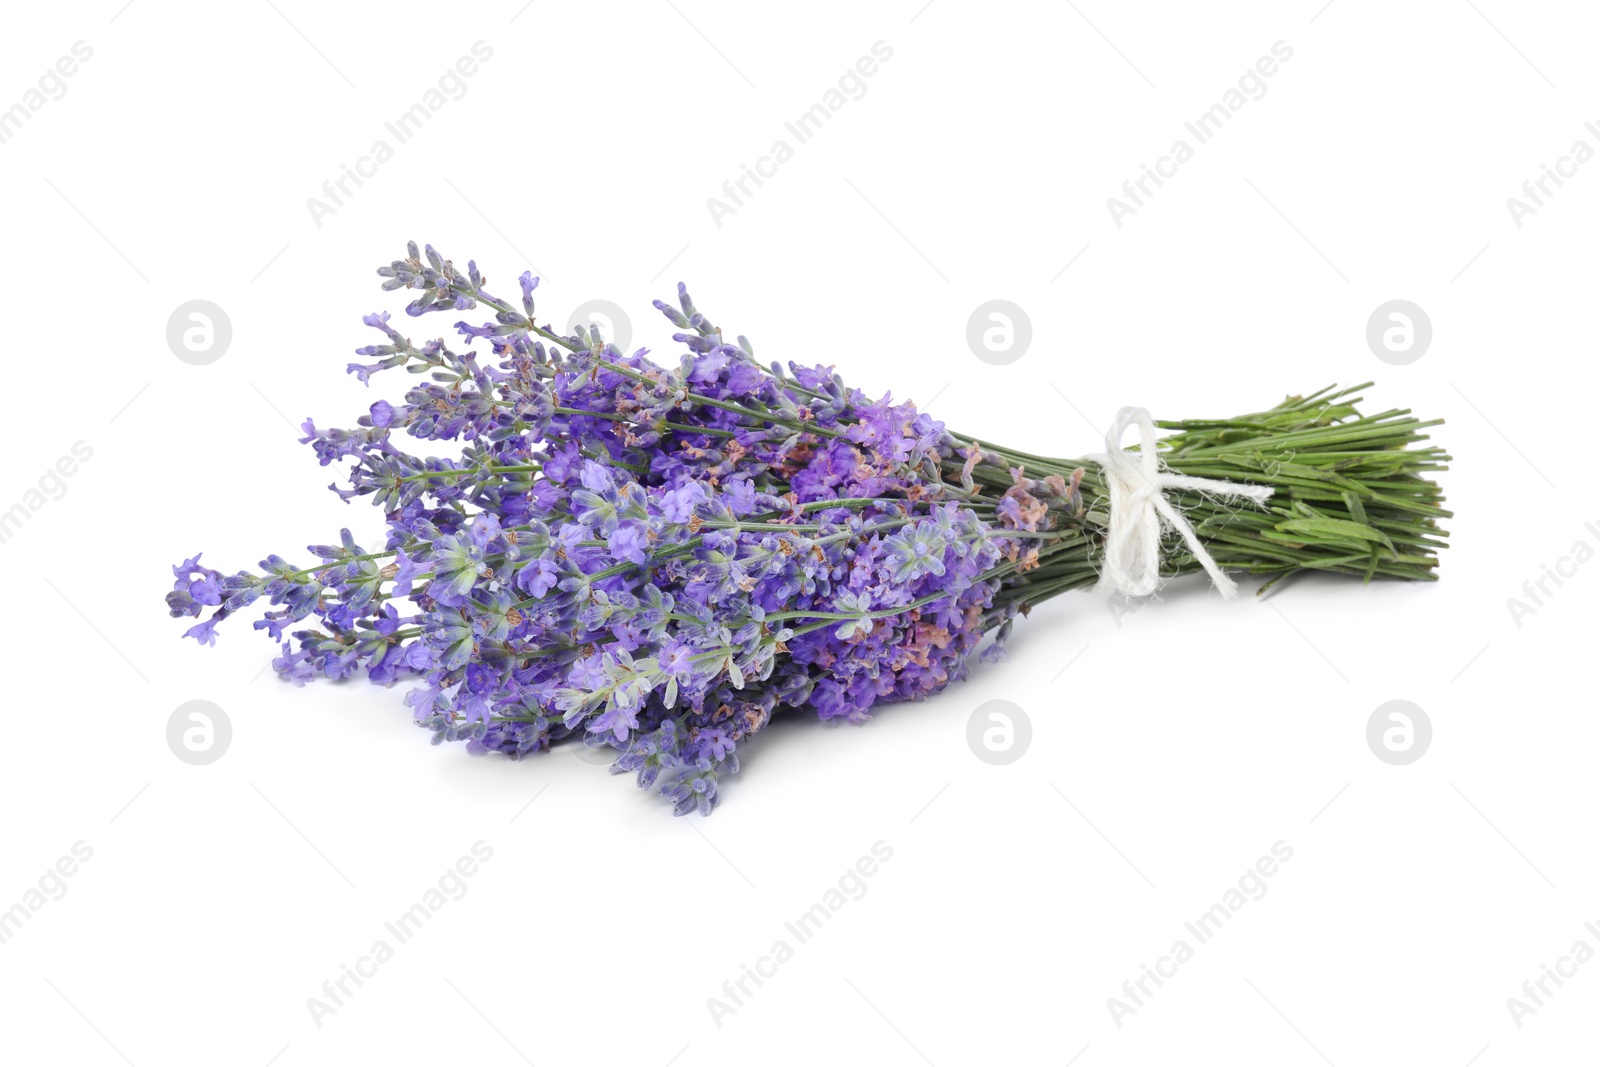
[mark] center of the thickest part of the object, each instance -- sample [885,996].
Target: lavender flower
[660,560]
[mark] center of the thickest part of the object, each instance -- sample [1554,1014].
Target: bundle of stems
[1352,494]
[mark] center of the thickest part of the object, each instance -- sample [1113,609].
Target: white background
[1176,748]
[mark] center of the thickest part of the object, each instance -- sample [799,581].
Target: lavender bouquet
[660,559]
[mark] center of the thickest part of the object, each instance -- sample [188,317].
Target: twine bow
[1136,484]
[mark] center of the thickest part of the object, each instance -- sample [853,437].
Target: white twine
[1135,482]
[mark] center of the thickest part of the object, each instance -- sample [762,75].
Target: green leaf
[1339,531]
[1352,504]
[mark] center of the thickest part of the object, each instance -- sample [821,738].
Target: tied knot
[1136,483]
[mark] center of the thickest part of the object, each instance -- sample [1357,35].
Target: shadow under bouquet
[660,559]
